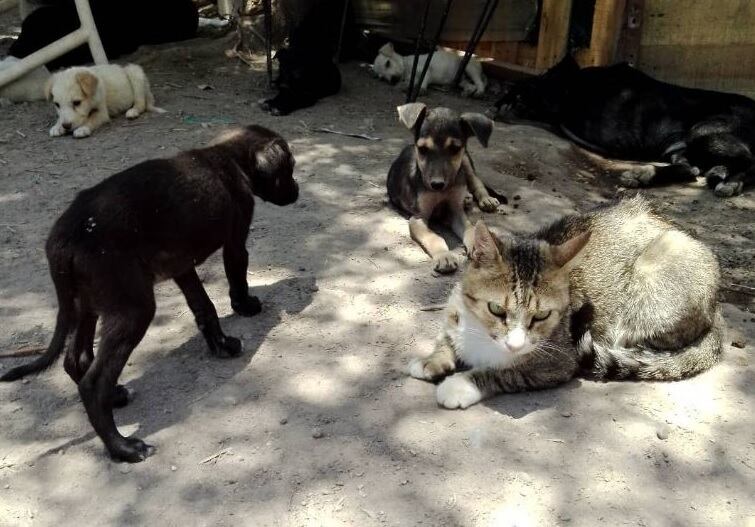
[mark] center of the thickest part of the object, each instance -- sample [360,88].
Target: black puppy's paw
[120,396]
[226,347]
[130,450]
[716,175]
[264,104]
[247,306]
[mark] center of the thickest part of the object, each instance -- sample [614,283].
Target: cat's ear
[484,249]
[565,253]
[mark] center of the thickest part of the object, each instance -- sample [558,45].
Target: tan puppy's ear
[87,82]
[48,89]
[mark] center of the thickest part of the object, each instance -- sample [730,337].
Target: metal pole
[482,25]
[441,25]
[416,51]
[268,13]
[340,34]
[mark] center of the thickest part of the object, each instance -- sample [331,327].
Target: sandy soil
[316,424]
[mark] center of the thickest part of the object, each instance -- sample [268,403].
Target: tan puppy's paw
[431,368]
[132,113]
[57,131]
[82,131]
[489,204]
[446,263]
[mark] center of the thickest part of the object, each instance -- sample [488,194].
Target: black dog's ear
[411,114]
[269,157]
[478,125]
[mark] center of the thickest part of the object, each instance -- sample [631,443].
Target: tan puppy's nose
[66,126]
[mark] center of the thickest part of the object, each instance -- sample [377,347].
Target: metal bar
[93,37]
[43,56]
[410,90]
[268,14]
[482,25]
[441,25]
[340,33]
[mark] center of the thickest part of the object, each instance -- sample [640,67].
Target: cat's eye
[540,316]
[497,309]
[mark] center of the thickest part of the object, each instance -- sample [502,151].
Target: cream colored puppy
[86,98]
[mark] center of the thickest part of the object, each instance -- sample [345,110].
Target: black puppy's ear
[478,125]
[269,157]
[411,114]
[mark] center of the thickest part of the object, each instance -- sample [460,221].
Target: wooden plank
[630,37]
[554,32]
[715,22]
[606,26]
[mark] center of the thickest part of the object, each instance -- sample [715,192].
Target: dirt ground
[317,423]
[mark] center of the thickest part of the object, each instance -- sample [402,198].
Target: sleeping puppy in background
[86,98]
[430,178]
[394,68]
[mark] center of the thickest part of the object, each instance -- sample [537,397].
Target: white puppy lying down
[86,98]
[393,67]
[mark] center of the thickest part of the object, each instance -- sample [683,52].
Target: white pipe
[87,33]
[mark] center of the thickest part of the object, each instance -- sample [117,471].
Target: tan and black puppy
[430,178]
[155,221]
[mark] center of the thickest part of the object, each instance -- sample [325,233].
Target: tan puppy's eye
[76,104]
[422,149]
[453,149]
[57,105]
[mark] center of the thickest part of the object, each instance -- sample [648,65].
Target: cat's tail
[611,363]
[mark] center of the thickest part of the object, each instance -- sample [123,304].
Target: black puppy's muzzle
[437,185]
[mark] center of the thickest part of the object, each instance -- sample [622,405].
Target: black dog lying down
[620,112]
[155,221]
[306,69]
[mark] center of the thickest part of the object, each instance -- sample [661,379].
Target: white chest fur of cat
[616,293]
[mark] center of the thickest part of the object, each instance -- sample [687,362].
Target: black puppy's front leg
[206,316]
[236,262]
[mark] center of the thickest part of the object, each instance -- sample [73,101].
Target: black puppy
[620,112]
[155,221]
[306,70]
[430,178]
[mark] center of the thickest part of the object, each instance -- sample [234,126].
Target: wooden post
[554,33]
[606,26]
[631,33]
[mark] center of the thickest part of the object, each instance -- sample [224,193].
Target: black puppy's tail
[66,320]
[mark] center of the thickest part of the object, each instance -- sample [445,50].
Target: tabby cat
[616,293]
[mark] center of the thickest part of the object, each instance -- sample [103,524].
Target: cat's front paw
[488,204]
[458,391]
[431,368]
[445,263]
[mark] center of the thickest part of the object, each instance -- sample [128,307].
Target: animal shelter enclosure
[317,421]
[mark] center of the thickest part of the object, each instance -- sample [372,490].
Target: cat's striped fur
[616,293]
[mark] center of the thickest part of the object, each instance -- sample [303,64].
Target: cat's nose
[516,340]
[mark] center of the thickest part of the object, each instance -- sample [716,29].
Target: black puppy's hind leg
[206,316]
[122,330]
[236,262]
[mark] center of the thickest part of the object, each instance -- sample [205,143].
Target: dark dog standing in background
[155,221]
[619,112]
[430,178]
[306,68]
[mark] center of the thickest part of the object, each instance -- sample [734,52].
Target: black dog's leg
[122,330]
[236,262]
[80,355]
[206,316]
